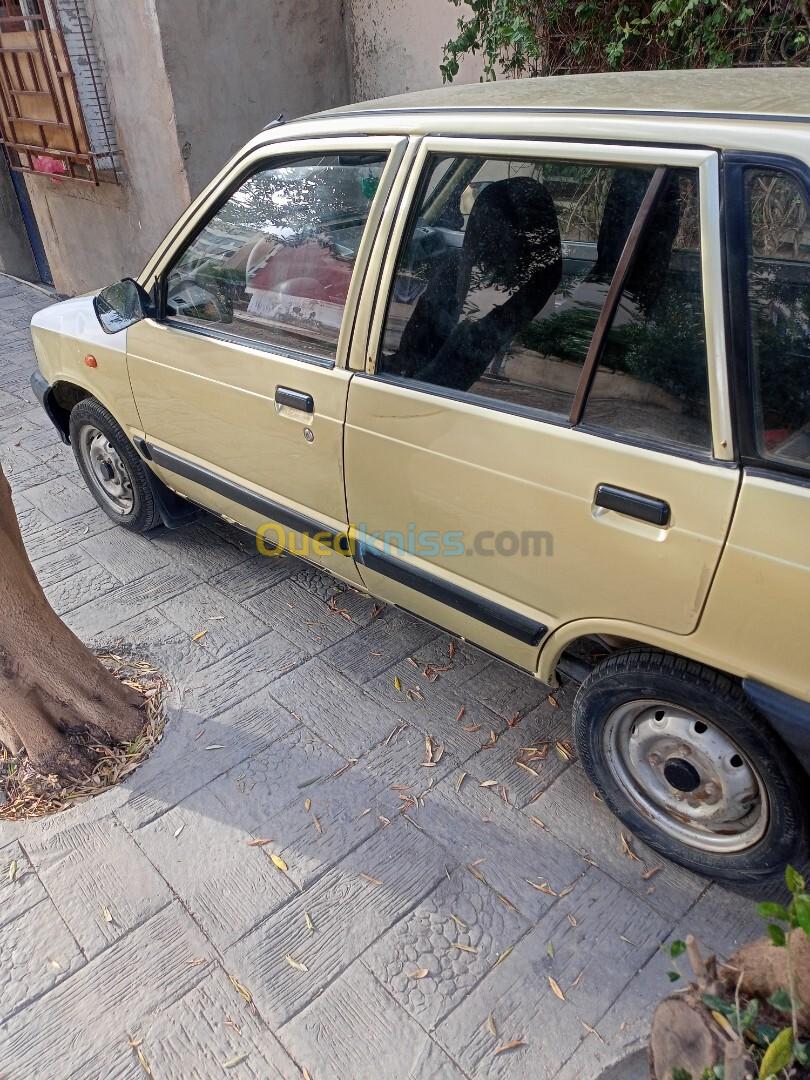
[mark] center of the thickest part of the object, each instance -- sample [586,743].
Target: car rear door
[241,380]
[542,431]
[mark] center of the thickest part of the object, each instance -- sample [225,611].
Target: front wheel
[112,470]
[684,760]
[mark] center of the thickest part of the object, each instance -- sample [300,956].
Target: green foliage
[778,1055]
[527,37]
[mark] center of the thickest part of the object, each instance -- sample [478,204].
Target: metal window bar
[41,118]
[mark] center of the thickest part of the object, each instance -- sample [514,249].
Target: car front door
[241,381]
[542,433]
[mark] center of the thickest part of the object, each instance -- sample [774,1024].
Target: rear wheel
[111,467]
[684,760]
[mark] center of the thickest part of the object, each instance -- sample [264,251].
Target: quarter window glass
[274,263]
[652,379]
[503,275]
[779,302]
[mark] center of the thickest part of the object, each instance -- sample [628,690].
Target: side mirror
[121,305]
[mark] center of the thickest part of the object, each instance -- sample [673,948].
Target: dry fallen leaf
[464,948]
[215,746]
[397,682]
[538,822]
[627,849]
[528,768]
[295,963]
[555,987]
[513,1045]
[420,973]
[460,713]
[309,922]
[571,919]
[105,911]
[373,880]
[12,870]
[316,821]
[144,1064]
[564,750]
[231,1063]
[258,843]
[491,1026]
[307,805]
[541,886]
[458,922]
[502,956]
[723,1023]
[553,701]
[488,783]
[460,781]
[243,990]
[451,649]
[650,872]
[200,636]
[592,1031]
[179,829]
[278,862]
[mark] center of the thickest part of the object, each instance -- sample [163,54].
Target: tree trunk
[54,693]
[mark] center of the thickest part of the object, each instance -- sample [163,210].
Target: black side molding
[273,511]
[633,504]
[468,603]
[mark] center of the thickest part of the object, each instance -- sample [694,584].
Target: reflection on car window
[274,263]
[503,275]
[779,303]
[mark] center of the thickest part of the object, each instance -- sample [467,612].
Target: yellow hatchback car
[532,360]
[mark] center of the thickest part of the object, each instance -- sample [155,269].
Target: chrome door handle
[294,399]
[633,504]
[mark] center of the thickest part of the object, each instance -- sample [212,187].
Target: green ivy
[527,37]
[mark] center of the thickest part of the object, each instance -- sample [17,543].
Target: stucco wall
[93,235]
[16,256]
[396,46]
[233,67]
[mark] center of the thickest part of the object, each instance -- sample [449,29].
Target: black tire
[643,674]
[144,514]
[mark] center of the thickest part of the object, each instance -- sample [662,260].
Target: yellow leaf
[502,956]
[397,682]
[12,870]
[555,987]
[144,1064]
[778,1055]
[295,963]
[201,635]
[722,1022]
[243,990]
[105,911]
[308,805]
[278,862]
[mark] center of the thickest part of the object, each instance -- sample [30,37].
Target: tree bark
[53,692]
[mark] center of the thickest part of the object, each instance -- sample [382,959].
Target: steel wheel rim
[108,473]
[687,776]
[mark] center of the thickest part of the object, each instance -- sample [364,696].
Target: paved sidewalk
[408,937]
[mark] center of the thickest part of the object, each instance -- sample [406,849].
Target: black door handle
[632,503]
[294,399]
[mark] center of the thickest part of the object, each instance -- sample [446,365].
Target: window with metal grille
[54,115]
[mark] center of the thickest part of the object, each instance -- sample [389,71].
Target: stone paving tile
[321,584]
[396,770]
[95,870]
[125,555]
[61,500]
[191,1040]
[54,569]
[224,682]
[128,600]
[305,619]
[624,1028]
[21,481]
[355,1029]
[350,906]
[224,624]
[460,911]
[52,537]
[86,586]
[256,790]
[389,637]
[254,575]
[506,848]
[540,729]
[452,718]
[334,707]
[461,660]
[591,963]
[506,689]
[722,921]
[20,889]
[198,550]
[324,824]
[37,952]
[203,854]
[186,762]
[143,971]
[597,835]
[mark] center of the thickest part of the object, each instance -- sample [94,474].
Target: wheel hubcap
[108,472]
[686,775]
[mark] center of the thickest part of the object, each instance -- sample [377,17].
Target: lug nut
[654,759]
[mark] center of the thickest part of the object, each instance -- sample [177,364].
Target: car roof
[775,93]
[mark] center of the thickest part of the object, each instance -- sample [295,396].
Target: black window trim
[733,167]
[691,453]
[244,174]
